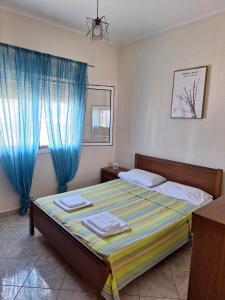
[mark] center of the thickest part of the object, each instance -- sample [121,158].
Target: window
[43,132]
[98,121]
[12,114]
[58,108]
[100,117]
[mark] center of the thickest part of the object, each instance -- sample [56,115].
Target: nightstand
[108,173]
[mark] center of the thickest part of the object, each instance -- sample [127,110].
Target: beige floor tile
[181,279]
[14,219]
[13,231]
[131,289]
[38,236]
[16,227]
[50,254]
[157,282]
[181,259]
[5,247]
[75,295]
[73,282]
[164,264]
[8,292]
[21,249]
[15,272]
[37,294]
[46,274]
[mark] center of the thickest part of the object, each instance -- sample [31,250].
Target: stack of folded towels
[105,224]
[72,202]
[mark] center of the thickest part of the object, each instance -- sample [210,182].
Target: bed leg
[31,223]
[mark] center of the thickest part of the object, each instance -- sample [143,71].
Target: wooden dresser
[108,173]
[207,273]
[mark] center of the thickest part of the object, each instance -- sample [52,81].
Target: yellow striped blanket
[159,225]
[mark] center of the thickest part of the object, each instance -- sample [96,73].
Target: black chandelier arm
[89,19]
[88,25]
[103,17]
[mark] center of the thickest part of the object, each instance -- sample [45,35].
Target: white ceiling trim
[72,29]
[43,20]
[167,28]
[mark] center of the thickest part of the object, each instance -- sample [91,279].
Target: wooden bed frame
[91,267]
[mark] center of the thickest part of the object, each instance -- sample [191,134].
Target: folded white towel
[70,209]
[106,221]
[87,222]
[73,200]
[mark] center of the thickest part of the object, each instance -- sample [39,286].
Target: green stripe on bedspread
[159,225]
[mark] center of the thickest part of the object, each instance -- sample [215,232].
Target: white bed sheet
[159,189]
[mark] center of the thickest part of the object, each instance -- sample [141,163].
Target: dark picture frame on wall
[188,94]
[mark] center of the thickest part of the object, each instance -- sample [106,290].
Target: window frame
[112,92]
[45,148]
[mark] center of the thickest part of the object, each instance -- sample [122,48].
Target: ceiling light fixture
[97,28]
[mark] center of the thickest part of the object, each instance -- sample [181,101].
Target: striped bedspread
[159,225]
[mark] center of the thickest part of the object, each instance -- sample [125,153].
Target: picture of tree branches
[189,97]
[188,93]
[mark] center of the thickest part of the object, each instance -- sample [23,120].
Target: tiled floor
[31,270]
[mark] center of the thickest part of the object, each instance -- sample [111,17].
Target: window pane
[55,94]
[97,126]
[43,133]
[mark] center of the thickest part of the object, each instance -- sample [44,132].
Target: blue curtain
[65,103]
[20,105]
[27,80]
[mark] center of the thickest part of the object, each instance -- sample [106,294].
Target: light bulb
[97,30]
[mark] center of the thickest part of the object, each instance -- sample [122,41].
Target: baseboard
[8,213]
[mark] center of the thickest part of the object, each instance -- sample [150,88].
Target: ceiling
[129,20]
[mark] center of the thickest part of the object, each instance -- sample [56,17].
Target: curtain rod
[26,49]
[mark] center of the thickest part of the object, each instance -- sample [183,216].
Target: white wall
[145,90]
[29,33]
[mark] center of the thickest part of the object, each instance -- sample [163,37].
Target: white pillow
[142,177]
[184,192]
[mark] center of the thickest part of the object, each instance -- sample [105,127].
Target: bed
[160,225]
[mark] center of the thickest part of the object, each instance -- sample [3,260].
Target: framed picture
[188,93]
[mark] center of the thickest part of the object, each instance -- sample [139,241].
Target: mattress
[159,225]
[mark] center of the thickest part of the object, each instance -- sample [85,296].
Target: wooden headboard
[206,179]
